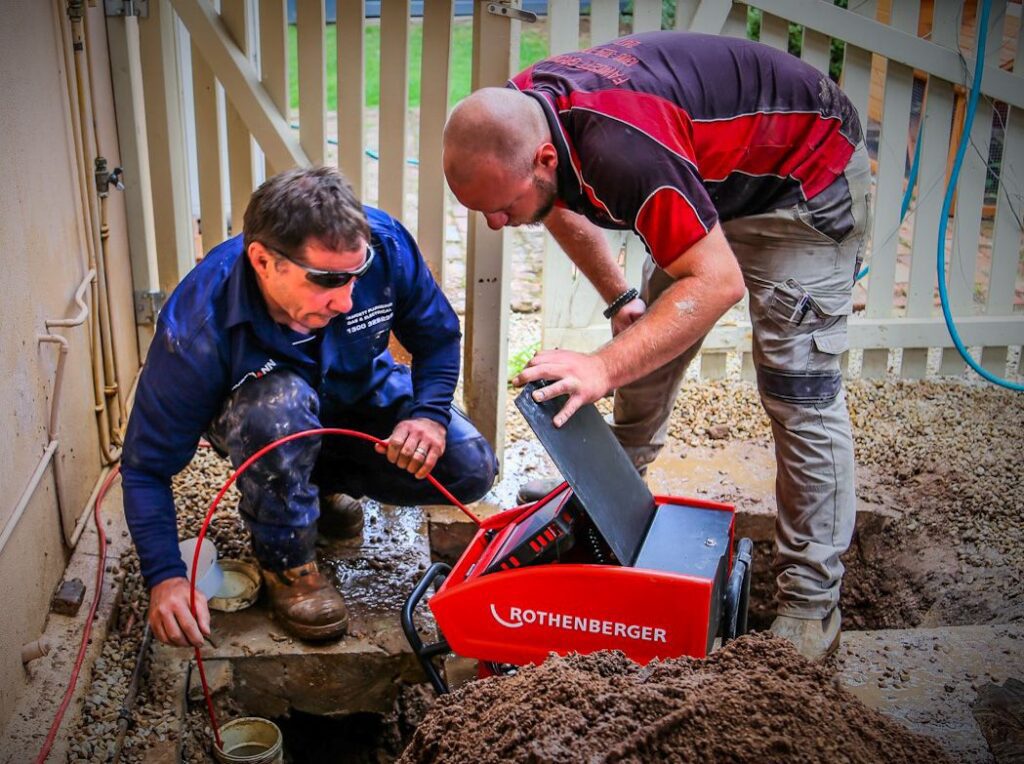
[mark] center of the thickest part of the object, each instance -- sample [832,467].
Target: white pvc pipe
[19,510]
[83,309]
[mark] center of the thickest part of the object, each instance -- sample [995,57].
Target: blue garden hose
[369,152]
[911,182]
[972,106]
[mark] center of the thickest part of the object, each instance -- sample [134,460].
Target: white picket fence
[242,48]
[901,320]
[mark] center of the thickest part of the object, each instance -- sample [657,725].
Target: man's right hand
[170,616]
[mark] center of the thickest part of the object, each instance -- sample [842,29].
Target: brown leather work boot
[341,516]
[535,490]
[306,603]
[815,639]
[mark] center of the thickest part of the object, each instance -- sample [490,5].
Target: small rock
[525,306]
[68,598]
[719,431]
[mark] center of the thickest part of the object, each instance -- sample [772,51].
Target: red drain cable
[224,489]
[102,537]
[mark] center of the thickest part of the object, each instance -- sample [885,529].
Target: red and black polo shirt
[667,133]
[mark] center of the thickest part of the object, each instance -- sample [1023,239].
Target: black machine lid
[591,460]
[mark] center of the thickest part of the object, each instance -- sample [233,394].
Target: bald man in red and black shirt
[742,169]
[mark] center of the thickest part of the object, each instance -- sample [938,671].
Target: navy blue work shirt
[215,334]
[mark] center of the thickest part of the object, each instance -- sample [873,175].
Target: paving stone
[219,676]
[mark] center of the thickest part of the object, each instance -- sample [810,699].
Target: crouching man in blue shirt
[283,329]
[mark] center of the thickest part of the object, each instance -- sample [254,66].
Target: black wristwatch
[619,302]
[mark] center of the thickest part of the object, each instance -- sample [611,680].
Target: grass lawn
[533,47]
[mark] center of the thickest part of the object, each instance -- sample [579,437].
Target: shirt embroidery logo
[364,319]
[265,369]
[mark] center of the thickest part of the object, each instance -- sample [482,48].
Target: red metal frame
[519,616]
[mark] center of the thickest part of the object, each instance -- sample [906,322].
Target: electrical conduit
[109,418]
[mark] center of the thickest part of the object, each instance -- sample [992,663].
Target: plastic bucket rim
[269,755]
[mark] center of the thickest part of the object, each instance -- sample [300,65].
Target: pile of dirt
[754,700]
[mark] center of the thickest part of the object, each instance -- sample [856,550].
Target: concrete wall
[42,262]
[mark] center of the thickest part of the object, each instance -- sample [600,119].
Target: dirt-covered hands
[415,445]
[584,378]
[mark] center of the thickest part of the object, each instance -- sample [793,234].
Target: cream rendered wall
[42,262]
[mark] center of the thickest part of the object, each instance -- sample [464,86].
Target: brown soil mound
[755,700]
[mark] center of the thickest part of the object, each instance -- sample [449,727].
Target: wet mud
[754,700]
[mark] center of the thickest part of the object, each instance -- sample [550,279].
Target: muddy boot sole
[321,633]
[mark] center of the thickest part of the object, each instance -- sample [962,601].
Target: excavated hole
[877,593]
[358,738]
[899,580]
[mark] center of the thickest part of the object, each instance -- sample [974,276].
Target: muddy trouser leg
[801,285]
[279,502]
[642,408]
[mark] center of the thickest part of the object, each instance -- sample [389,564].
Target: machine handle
[737,592]
[426,653]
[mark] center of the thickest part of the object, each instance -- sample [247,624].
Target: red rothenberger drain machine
[598,564]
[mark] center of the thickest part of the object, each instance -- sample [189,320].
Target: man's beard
[548,194]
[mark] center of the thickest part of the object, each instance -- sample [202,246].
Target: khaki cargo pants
[801,284]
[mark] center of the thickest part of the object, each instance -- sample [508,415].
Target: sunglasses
[330,279]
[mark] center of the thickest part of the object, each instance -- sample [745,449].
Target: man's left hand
[583,377]
[415,446]
[630,313]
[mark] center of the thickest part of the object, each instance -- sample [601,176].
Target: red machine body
[520,615]
[598,564]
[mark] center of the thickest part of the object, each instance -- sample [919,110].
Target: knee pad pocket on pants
[800,387]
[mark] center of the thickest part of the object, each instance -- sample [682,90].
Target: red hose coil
[100,569]
[224,489]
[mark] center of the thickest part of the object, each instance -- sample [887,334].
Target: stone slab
[273,672]
[928,678]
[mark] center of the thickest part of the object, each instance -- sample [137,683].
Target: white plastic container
[209,576]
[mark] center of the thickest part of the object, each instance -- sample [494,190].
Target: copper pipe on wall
[109,418]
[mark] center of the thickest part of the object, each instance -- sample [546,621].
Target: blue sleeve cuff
[149,510]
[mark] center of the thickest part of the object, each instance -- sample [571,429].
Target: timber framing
[242,84]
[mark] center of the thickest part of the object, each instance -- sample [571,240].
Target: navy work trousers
[280,491]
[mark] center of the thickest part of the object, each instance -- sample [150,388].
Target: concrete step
[270,673]
[928,678]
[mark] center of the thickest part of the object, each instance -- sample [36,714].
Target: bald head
[493,127]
